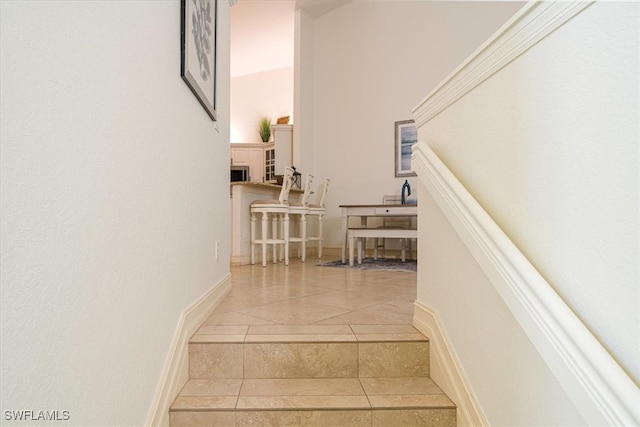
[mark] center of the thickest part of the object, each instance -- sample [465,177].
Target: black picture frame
[198,52]
[406,135]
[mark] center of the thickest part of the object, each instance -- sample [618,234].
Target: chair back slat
[287,182]
[323,192]
[307,190]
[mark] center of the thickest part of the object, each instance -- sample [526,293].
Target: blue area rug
[387,264]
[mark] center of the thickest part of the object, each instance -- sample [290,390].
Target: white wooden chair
[299,210]
[318,210]
[278,211]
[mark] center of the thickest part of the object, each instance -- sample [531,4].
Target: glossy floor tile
[329,302]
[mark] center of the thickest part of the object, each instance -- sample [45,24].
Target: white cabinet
[251,155]
[266,160]
[270,164]
[283,140]
[239,155]
[256,165]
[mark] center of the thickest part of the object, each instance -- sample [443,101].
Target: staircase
[310,375]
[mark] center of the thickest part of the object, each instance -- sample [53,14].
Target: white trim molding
[176,368]
[600,389]
[445,368]
[532,23]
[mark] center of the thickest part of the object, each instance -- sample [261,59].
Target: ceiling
[317,8]
[262,32]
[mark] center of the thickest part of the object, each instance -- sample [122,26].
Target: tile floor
[304,298]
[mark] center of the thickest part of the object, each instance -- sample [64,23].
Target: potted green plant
[265,129]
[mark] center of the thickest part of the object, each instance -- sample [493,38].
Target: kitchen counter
[264,185]
[258,184]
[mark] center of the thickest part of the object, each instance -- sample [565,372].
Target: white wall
[549,147]
[558,167]
[303,92]
[113,192]
[513,384]
[261,36]
[254,96]
[373,62]
[262,65]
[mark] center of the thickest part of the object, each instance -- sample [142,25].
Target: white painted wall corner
[176,368]
[445,368]
[602,392]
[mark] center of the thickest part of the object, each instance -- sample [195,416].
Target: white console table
[367,211]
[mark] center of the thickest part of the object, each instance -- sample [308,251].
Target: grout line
[235,407]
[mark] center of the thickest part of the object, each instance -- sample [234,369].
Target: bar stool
[318,210]
[300,210]
[278,210]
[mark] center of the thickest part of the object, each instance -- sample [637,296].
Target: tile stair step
[308,333]
[313,401]
[310,375]
[309,352]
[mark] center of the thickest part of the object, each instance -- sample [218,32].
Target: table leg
[362,246]
[345,224]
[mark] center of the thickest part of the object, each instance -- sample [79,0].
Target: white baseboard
[240,260]
[328,254]
[176,368]
[445,368]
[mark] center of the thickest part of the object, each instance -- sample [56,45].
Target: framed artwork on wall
[405,136]
[198,50]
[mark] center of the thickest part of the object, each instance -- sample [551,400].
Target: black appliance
[239,173]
